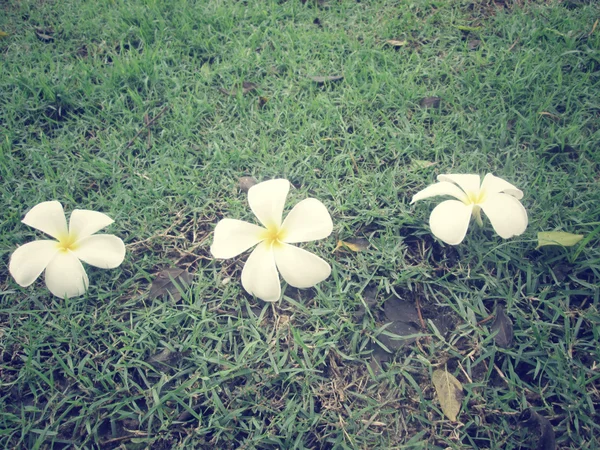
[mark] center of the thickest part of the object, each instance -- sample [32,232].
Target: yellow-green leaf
[449,392]
[353,244]
[558,238]
[3,34]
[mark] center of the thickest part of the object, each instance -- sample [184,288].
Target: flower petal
[267,200]
[29,261]
[232,237]
[492,185]
[84,223]
[468,182]
[441,188]
[449,221]
[102,250]
[507,215]
[259,276]
[309,220]
[48,217]
[300,268]
[65,276]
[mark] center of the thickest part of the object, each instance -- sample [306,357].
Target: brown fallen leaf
[395,43]
[325,79]
[248,87]
[430,102]
[473,44]
[449,392]
[503,327]
[353,244]
[170,282]
[246,183]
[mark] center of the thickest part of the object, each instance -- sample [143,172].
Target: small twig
[421,321]
[514,43]
[147,125]
[149,140]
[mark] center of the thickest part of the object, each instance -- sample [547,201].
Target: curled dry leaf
[503,327]
[246,183]
[171,282]
[325,79]
[45,35]
[449,392]
[395,43]
[558,238]
[541,427]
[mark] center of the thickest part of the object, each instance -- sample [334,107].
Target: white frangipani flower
[307,221]
[497,198]
[61,259]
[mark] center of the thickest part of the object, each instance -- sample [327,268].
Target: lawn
[152,111]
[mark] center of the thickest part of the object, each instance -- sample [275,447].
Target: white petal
[29,261]
[233,237]
[467,182]
[48,217]
[267,200]
[492,184]
[442,188]
[507,215]
[84,223]
[449,221]
[259,276]
[309,220]
[65,276]
[300,268]
[102,250]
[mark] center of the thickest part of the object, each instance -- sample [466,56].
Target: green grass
[76,82]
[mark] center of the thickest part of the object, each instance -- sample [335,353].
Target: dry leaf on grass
[247,86]
[449,392]
[395,43]
[503,327]
[353,244]
[45,35]
[325,79]
[171,282]
[430,102]
[246,183]
[541,427]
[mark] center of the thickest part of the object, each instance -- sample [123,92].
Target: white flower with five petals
[307,221]
[61,259]
[497,198]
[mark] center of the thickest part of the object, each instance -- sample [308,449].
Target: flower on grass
[307,221]
[497,198]
[61,259]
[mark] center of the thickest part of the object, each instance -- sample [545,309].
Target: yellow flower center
[66,243]
[475,198]
[274,235]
